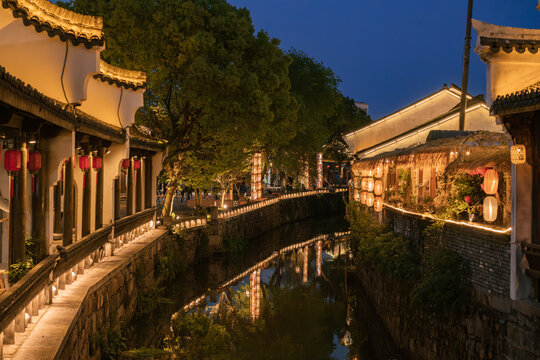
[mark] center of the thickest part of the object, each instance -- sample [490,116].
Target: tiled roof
[74,116]
[509,45]
[127,78]
[524,100]
[46,16]
[141,135]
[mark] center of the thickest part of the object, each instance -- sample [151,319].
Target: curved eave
[57,21]
[147,144]
[128,79]
[522,101]
[21,97]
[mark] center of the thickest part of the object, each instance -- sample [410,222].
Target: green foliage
[111,342]
[459,186]
[445,284]
[378,245]
[18,270]
[405,181]
[168,268]
[144,354]
[149,299]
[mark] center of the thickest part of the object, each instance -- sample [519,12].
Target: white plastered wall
[111,169]
[410,117]
[38,59]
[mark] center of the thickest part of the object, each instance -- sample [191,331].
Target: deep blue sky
[388,53]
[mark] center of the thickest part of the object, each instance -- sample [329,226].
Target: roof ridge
[122,77]
[67,24]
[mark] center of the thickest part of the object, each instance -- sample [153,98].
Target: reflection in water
[287,307]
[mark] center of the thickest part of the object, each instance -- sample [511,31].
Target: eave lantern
[378,171]
[378,204]
[84,165]
[34,165]
[97,163]
[378,187]
[125,163]
[363,198]
[364,184]
[137,164]
[490,208]
[12,164]
[518,154]
[370,184]
[491,182]
[370,199]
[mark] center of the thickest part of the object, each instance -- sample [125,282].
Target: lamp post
[465,78]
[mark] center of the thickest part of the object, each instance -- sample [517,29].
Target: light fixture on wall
[491,182]
[490,208]
[518,154]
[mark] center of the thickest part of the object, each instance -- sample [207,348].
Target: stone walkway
[45,336]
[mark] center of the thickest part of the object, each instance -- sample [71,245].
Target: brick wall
[488,253]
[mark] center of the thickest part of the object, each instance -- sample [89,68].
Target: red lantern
[137,164]
[12,160]
[84,163]
[34,165]
[467,199]
[97,163]
[125,163]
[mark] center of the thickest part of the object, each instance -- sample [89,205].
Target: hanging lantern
[97,163]
[137,164]
[491,182]
[364,184]
[379,171]
[518,154]
[34,165]
[378,187]
[370,184]
[370,199]
[12,160]
[378,204]
[356,195]
[490,208]
[125,163]
[369,173]
[84,163]
[363,198]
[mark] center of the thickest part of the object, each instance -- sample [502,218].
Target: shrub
[445,283]
[18,270]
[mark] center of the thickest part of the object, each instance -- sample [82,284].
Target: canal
[292,294]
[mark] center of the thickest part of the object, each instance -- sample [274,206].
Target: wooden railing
[38,288]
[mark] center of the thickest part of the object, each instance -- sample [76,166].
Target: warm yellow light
[378,204]
[370,184]
[378,188]
[363,198]
[364,184]
[491,182]
[518,154]
[370,199]
[379,171]
[490,208]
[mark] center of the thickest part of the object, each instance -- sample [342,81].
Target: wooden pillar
[17,212]
[99,193]
[69,195]
[138,187]
[86,204]
[148,182]
[58,189]
[38,210]
[129,205]
[117,198]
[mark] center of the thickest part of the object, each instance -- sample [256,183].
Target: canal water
[291,295]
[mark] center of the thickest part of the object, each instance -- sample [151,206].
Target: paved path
[45,336]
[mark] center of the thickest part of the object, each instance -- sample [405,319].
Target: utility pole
[465,79]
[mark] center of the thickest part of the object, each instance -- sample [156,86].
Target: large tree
[209,75]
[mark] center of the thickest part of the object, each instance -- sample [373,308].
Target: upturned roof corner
[129,79]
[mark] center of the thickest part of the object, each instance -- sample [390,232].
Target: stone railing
[39,287]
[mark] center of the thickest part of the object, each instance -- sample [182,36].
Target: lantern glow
[491,182]
[379,171]
[518,154]
[364,184]
[370,199]
[256,186]
[378,189]
[378,204]
[370,184]
[319,171]
[363,198]
[490,209]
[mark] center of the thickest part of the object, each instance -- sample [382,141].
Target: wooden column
[138,188]
[117,198]
[148,182]
[86,203]
[99,193]
[69,195]
[17,212]
[129,205]
[58,189]
[38,210]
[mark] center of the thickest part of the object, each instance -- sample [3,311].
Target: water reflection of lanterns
[363,197]
[370,184]
[491,182]
[318,247]
[306,265]
[378,171]
[363,184]
[378,187]
[518,154]
[370,199]
[490,208]
[378,204]
[254,294]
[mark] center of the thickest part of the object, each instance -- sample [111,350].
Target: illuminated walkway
[44,338]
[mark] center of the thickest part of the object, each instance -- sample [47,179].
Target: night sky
[388,53]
